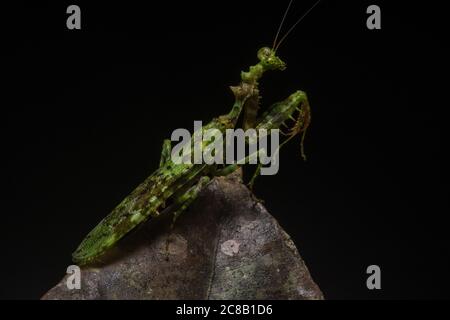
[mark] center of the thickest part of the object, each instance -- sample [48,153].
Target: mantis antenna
[295,24]
[281,24]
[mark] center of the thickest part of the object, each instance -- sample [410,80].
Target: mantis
[173,187]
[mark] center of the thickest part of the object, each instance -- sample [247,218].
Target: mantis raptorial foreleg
[256,174]
[286,109]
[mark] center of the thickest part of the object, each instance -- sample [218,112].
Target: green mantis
[175,186]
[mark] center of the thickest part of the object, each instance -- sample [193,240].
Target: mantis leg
[183,201]
[186,199]
[256,174]
[166,152]
[233,167]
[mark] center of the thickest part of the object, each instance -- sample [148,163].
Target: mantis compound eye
[264,53]
[269,60]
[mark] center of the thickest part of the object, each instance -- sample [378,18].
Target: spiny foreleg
[278,115]
[183,201]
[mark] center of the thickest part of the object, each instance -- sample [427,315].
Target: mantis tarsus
[178,184]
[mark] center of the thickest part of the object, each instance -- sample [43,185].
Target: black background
[91,107]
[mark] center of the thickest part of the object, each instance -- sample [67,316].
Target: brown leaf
[226,246]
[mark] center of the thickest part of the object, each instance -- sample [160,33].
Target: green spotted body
[147,200]
[179,183]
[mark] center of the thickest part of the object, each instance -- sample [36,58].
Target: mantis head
[269,60]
